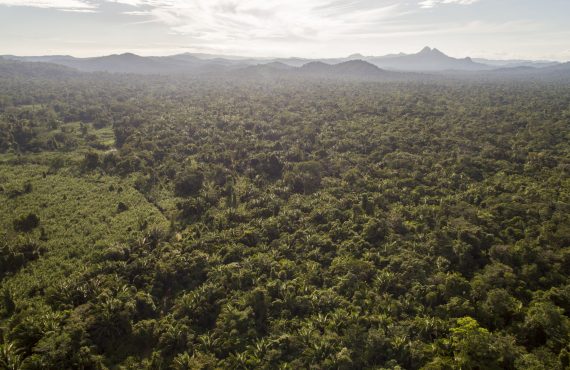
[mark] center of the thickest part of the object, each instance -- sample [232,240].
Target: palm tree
[239,361]
[208,342]
[183,362]
[319,350]
[261,347]
[10,356]
[321,321]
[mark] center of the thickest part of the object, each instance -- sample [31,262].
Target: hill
[515,63]
[14,68]
[355,69]
[426,60]
[125,63]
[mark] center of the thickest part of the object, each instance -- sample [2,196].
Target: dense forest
[186,223]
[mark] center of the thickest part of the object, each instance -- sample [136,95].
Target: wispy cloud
[262,19]
[249,20]
[226,20]
[307,28]
[433,3]
[67,5]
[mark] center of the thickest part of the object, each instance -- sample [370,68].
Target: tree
[375,230]
[189,183]
[472,347]
[10,356]
[305,177]
[26,223]
[545,323]
[91,161]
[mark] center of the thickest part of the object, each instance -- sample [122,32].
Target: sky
[498,29]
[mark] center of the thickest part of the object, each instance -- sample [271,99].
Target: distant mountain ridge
[514,63]
[355,70]
[42,70]
[351,67]
[427,60]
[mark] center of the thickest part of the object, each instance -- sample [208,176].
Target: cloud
[433,3]
[67,5]
[225,20]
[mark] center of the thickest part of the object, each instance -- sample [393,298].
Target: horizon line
[238,56]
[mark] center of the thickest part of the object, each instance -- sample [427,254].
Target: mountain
[43,58]
[559,72]
[265,70]
[517,69]
[353,67]
[299,62]
[205,56]
[357,68]
[349,70]
[278,66]
[515,63]
[15,68]
[295,62]
[560,67]
[126,63]
[316,68]
[209,59]
[354,70]
[427,59]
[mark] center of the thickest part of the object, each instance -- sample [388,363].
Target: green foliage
[472,345]
[10,356]
[188,183]
[185,224]
[305,177]
[545,323]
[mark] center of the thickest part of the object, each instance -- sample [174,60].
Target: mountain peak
[436,51]
[429,51]
[356,56]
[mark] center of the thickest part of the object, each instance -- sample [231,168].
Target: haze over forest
[301,184]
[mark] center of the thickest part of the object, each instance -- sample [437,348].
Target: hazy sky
[538,29]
